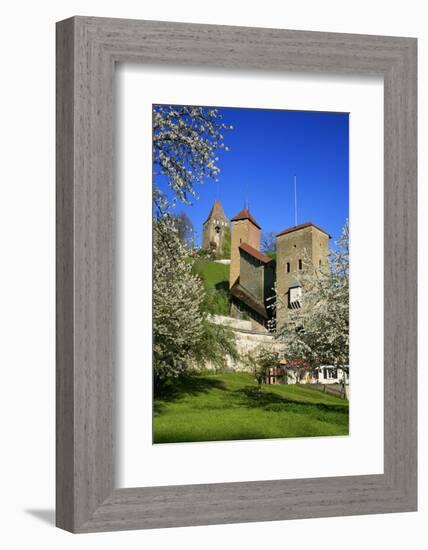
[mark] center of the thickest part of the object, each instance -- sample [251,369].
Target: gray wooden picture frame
[87,50]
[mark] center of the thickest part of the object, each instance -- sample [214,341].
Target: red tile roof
[255,253]
[245,214]
[302,226]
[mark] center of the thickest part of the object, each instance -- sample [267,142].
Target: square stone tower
[245,229]
[295,246]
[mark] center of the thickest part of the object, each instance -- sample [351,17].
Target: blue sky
[266,149]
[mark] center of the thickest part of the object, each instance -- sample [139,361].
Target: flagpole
[295,200]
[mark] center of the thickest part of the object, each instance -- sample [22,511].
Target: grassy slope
[216,407]
[216,281]
[212,273]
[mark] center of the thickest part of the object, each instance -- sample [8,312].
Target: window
[288,267]
[300,264]
[295,296]
[320,263]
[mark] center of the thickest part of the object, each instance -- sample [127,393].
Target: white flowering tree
[185,143]
[317,333]
[177,299]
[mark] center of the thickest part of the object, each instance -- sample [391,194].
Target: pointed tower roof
[217,212]
[245,214]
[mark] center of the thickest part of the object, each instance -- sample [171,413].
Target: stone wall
[246,340]
[251,276]
[243,231]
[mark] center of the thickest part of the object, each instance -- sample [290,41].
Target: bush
[217,302]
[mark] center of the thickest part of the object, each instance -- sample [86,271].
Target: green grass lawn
[218,407]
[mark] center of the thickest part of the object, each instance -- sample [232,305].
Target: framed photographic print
[236,274]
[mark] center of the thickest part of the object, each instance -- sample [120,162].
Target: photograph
[250,273]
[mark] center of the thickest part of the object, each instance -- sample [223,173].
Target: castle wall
[247,341]
[252,276]
[238,310]
[320,249]
[243,231]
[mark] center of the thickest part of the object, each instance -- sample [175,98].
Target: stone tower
[245,229]
[214,229]
[294,246]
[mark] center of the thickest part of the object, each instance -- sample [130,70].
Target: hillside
[215,277]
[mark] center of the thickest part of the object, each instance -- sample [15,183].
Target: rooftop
[302,226]
[217,212]
[239,292]
[255,253]
[245,214]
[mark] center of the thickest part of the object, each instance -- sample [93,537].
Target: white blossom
[177,301]
[185,141]
[318,333]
